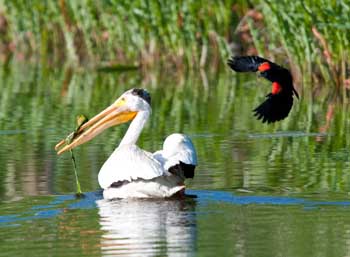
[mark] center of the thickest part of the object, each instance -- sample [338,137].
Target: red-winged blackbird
[279,102]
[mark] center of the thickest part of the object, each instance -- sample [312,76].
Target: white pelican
[131,171]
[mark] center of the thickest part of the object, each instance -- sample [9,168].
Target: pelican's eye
[120,102]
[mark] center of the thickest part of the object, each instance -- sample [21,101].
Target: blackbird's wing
[246,63]
[276,107]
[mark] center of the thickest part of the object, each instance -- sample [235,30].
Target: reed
[131,32]
[116,35]
[314,35]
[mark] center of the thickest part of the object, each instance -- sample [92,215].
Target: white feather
[128,163]
[159,187]
[176,147]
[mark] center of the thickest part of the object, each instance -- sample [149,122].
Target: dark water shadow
[204,197]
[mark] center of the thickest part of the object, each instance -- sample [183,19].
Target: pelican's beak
[113,115]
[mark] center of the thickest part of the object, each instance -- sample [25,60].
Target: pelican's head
[124,109]
[135,100]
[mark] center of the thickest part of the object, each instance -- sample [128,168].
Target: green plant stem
[79,192]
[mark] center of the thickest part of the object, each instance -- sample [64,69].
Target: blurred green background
[311,36]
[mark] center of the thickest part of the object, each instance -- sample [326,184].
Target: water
[215,223]
[259,190]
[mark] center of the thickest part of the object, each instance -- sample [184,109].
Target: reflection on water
[132,227]
[215,223]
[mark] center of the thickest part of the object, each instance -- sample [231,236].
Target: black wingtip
[232,63]
[183,170]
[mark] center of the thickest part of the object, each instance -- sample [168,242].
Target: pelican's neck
[135,128]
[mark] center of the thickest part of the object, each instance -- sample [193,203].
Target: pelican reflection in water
[131,172]
[165,228]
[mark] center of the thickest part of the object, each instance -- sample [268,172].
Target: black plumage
[143,94]
[183,170]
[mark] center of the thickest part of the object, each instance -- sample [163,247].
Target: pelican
[131,172]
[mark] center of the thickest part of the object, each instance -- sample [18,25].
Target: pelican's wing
[184,155]
[128,163]
[178,154]
[176,148]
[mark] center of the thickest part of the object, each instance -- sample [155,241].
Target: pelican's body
[131,172]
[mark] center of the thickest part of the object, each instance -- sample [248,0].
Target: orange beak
[115,114]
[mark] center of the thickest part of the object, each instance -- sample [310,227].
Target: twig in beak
[80,120]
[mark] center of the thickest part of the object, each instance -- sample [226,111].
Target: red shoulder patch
[264,66]
[276,88]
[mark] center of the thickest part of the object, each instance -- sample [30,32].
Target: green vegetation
[113,35]
[314,35]
[119,31]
